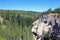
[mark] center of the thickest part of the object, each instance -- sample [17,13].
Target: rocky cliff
[54,21]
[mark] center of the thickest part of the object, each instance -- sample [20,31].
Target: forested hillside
[17,24]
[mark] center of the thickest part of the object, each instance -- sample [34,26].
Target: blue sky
[29,5]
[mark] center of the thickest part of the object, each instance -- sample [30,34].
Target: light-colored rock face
[45,23]
[1,19]
[41,27]
[38,29]
[34,28]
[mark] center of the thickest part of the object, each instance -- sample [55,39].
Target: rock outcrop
[1,20]
[51,22]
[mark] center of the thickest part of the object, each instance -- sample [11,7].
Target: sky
[29,5]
